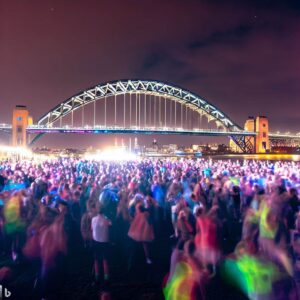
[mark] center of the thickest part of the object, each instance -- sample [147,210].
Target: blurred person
[268,227]
[53,250]
[184,226]
[14,224]
[141,230]
[206,237]
[187,277]
[85,225]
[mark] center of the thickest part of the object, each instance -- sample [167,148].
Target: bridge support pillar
[20,121]
[262,143]
[260,125]
[250,126]
[242,144]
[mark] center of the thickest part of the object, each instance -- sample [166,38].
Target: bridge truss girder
[245,143]
[138,86]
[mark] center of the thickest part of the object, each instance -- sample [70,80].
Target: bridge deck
[146,130]
[137,130]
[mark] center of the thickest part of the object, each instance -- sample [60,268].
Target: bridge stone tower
[260,125]
[262,143]
[20,121]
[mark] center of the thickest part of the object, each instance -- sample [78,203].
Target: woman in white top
[100,233]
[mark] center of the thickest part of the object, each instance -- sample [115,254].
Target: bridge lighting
[111,154]
[180,95]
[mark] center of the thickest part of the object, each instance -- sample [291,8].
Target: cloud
[230,36]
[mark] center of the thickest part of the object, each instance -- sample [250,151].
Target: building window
[264,134]
[19,129]
[19,118]
[264,125]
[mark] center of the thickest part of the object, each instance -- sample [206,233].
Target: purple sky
[243,58]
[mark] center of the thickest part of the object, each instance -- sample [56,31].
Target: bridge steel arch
[150,87]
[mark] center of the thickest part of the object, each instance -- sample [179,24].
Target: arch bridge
[140,107]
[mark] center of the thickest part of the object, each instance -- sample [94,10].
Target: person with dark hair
[75,207]
[108,201]
[101,239]
[294,200]
[2,182]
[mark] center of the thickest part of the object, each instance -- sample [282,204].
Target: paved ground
[143,282]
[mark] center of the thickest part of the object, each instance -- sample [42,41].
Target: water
[273,157]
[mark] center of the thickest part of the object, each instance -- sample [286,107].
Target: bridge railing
[133,128]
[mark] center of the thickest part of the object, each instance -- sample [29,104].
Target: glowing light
[16,150]
[111,154]
[12,216]
[180,285]
[250,274]
[264,228]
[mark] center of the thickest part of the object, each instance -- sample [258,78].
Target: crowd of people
[232,227]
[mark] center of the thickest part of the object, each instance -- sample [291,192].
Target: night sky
[242,56]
